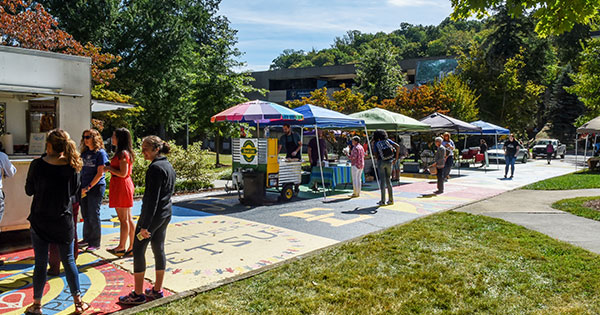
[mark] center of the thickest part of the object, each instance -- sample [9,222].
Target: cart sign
[249,151]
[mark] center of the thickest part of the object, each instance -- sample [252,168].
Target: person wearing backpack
[386,152]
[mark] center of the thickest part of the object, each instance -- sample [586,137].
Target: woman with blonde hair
[52,181]
[93,186]
[155,217]
[120,194]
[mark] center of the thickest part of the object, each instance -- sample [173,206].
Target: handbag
[433,169]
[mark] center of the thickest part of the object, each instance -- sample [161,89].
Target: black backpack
[386,150]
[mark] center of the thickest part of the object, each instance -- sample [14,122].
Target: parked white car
[497,152]
[539,148]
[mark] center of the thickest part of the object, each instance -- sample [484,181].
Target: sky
[267,27]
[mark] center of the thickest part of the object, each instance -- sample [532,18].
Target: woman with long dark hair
[93,186]
[154,219]
[52,181]
[121,189]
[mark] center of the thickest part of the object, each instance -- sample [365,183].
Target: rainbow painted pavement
[212,238]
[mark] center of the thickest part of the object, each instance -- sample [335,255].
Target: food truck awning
[379,118]
[34,90]
[104,106]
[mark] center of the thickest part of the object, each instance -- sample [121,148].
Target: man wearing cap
[357,160]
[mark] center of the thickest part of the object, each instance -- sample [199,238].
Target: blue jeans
[510,161]
[40,249]
[448,166]
[384,171]
[90,210]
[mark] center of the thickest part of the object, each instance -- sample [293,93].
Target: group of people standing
[65,178]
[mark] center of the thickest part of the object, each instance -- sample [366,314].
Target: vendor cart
[256,164]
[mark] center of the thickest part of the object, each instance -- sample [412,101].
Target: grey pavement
[533,210]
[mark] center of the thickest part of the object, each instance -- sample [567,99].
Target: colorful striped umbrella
[256,111]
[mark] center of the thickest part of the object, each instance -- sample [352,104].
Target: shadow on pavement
[368,210]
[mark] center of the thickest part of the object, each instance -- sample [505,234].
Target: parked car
[539,148]
[497,152]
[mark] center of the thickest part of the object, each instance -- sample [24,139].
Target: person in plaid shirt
[357,159]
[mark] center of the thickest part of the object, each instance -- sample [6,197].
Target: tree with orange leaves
[27,24]
[448,96]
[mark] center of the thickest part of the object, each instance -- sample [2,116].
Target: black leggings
[158,230]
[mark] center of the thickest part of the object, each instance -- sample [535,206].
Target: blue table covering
[333,175]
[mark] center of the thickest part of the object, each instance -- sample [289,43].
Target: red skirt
[120,192]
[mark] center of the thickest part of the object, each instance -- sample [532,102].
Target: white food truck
[39,91]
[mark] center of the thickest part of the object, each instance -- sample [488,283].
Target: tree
[379,74]
[587,81]
[564,108]
[449,95]
[28,25]
[344,100]
[287,59]
[553,16]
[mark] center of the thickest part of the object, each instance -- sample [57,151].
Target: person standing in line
[93,186]
[153,221]
[52,181]
[357,160]
[8,170]
[483,148]
[511,149]
[387,152]
[292,143]
[120,193]
[549,151]
[449,145]
[440,156]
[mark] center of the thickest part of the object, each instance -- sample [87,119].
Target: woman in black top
[52,180]
[153,221]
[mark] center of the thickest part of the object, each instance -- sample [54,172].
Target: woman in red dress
[120,194]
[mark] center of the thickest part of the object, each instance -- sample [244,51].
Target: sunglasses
[87,137]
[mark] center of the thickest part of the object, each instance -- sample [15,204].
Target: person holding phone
[154,219]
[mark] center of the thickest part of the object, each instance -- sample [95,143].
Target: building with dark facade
[291,84]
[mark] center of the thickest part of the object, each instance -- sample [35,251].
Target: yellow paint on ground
[210,249]
[312,214]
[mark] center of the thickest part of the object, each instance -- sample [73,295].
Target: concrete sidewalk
[533,210]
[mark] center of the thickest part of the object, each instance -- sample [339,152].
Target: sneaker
[153,295]
[353,196]
[390,202]
[132,299]
[91,249]
[437,192]
[381,203]
[82,243]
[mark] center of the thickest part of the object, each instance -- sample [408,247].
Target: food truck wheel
[287,193]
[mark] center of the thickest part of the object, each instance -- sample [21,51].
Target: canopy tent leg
[301,140]
[585,148]
[496,144]
[576,138]
[372,159]
[320,163]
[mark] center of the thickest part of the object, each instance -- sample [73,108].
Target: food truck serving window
[42,116]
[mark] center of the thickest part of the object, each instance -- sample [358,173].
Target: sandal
[34,309]
[81,307]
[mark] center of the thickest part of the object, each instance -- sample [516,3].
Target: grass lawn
[576,207]
[450,262]
[578,180]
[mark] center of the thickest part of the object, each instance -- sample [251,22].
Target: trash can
[254,188]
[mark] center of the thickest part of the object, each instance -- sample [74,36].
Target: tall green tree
[553,16]
[379,74]
[587,81]
[564,108]
[163,45]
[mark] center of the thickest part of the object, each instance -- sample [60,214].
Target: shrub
[190,165]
